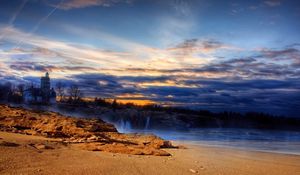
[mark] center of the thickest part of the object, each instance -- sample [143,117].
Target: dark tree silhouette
[75,93]
[5,89]
[114,105]
[60,90]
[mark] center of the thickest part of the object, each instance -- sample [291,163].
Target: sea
[275,141]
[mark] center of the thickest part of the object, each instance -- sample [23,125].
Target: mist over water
[287,142]
[123,126]
[147,123]
[250,139]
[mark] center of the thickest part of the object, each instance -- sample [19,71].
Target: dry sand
[39,155]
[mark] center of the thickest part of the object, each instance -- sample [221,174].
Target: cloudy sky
[206,54]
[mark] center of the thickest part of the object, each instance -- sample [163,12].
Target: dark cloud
[30,66]
[91,83]
[249,67]
[218,94]
[264,95]
[201,46]
[188,44]
[252,83]
[238,85]
[240,61]
[293,45]
[212,44]
[43,67]
[289,53]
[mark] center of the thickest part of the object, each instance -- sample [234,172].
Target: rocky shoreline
[87,134]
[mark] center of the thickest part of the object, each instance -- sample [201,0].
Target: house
[43,95]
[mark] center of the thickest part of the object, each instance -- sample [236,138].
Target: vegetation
[161,117]
[11,93]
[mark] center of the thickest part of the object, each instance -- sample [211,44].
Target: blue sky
[217,55]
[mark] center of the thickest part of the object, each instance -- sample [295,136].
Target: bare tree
[74,93]
[60,90]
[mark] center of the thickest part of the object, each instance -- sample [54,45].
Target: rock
[193,171]
[50,124]
[181,147]
[81,140]
[40,146]
[30,132]
[92,138]
[161,153]
[90,134]
[30,118]
[137,152]
[9,144]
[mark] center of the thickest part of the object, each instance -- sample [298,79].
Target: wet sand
[24,157]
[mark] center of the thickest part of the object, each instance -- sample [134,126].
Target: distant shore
[18,157]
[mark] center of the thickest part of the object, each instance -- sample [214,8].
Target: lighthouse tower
[45,87]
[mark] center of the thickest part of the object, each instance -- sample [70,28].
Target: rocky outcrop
[89,134]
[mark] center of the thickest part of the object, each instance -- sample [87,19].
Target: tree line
[68,94]
[72,95]
[10,92]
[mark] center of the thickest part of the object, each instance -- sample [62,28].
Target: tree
[5,90]
[74,93]
[101,102]
[60,90]
[114,104]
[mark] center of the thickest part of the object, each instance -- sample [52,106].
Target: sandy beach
[24,157]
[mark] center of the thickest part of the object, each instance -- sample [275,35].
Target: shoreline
[251,149]
[195,159]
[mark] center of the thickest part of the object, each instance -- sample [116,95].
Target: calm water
[250,139]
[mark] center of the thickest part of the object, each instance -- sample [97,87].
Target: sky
[216,55]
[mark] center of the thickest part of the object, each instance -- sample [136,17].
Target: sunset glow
[200,54]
